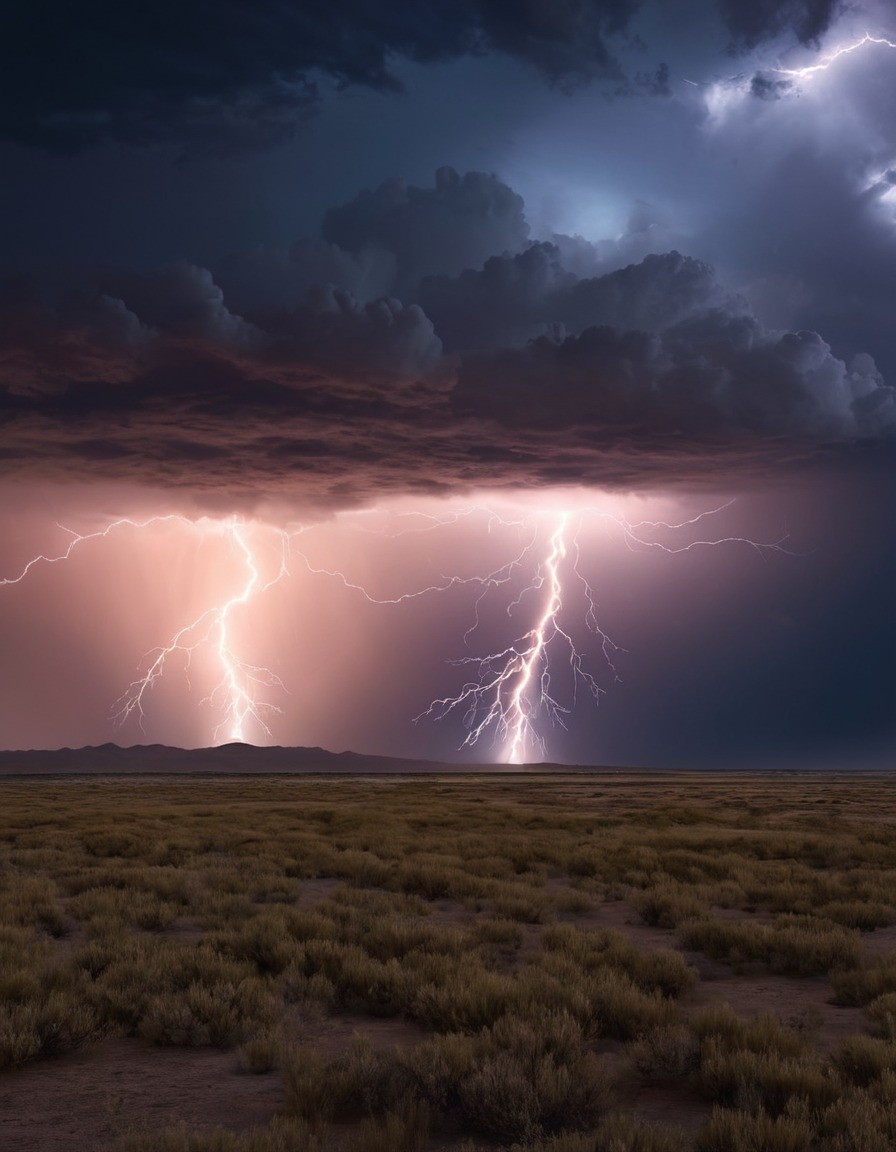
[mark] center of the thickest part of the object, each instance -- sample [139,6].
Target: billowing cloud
[455,225]
[518,371]
[513,298]
[184,300]
[72,76]
[714,376]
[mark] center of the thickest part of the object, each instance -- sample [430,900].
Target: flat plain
[603,962]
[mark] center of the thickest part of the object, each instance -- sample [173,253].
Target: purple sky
[287,275]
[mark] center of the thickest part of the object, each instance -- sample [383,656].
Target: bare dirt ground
[85,1100]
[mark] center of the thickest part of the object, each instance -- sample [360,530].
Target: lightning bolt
[831,57]
[515,691]
[236,695]
[512,689]
[722,93]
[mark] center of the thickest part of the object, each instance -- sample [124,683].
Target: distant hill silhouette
[229,759]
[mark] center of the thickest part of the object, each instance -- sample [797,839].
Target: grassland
[566,964]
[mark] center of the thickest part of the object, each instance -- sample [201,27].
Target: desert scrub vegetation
[793,945]
[542,934]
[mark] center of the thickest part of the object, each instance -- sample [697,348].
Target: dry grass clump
[282,1135]
[172,993]
[763,1080]
[515,1081]
[48,1027]
[856,1121]
[27,901]
[260,1053]
[792,945]
[221,912]
[666,1053]
[200,1016]
[668,903]
[866,982]
[618,1133]
[861,1060]
[882,1011]
[761,1034]
[359,1084]
[737,1131]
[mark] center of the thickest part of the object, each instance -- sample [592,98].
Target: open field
[606,963]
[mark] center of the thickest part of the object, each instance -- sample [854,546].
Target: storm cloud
[242,73]
[518,371]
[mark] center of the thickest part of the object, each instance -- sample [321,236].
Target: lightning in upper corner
[835,54]
[721,94]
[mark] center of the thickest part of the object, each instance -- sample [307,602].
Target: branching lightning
[236,694]
[513,687]
[516,692]
[833,56]
[723,93]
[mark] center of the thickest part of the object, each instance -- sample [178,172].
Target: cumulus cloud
[45,350]
[457,224]
[513,298]
[519,371]
[72,76]
[715,375]
[267,278]
[184,300]
[334,328]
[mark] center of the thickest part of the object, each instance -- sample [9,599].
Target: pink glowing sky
[347,272]
[354,673]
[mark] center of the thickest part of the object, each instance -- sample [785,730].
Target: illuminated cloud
[648,374]
[686,292]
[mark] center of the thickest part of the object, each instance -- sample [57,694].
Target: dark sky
[373,295]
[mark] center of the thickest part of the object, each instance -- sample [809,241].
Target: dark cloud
[769,88]
[455,225]
[513,298]
[333,328]
[817,246]
[667,378]
[183,300]
[752,21]
[515,363]
[242,73]
[265,279]
[714,377]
